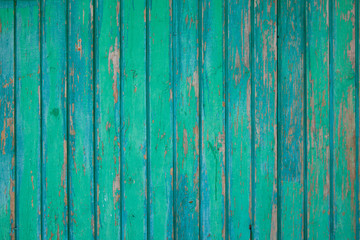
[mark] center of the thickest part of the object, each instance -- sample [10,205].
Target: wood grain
[7,121]
[28,120]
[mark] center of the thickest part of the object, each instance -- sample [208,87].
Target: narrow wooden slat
[239,118]
[357,111]
[213,122]
[54,123]
[187,120]
[80,120]
[265,83]
[134,120]
[7,108]
[28,118]
[107,118]
[318,168]
[291,117]
[343,72]
[161,126]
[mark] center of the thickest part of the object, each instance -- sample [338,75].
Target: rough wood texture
[161,100]
[28,120]
[318,131]
[7,115]
[212,89]
[107,118]
[343,118]
[54,120]
[239,114]
[168,119]
[187,203]
[265,107]
[81,120]
[134,144]
[291,49]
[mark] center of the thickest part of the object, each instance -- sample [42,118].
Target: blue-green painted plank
[187,120]
[134,209]
[343,90]
[81,120]
[107,118]
[161,127]
[291,117]
[318,131]
[7,117]
[265,108]
[213,121]
[28,117]
[54,120]
[239,118]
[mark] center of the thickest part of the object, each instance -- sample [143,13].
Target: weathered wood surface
[107,118]
[342,107]
[318,120]
[54,120]
[28,121]
[7,121]
[265,121]
[81,90]
[166,119]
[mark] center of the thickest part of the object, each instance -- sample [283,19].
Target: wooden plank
[161,124]
[343,124]
[107,118]
[291,120]
[212,173]
[54,122]
[81,123]
[265,108]
[28,118]
[239,118]
[318,138]
[187,120]
[7,107]
[134,120]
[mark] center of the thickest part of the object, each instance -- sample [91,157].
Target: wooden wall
[179,119]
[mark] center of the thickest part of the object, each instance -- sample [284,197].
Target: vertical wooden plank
[265,83]
[357,111]
[134,120]
[28,117]
[54,123]
[344,118]
[161,126]
[81,123]
[213,122]
[107,118]
[317,78]
[187,120]
[7,107]
[291,120]
[239,110]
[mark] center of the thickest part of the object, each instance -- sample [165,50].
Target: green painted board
[239,118]
[343,118]
[265,121]
[209,119]
[28,120]
[54,120]
[134,143]
[212,87]
[107,118]
[81,120]
[291,157]
[7,108]
[187,113]
[160,103]
[318,119]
